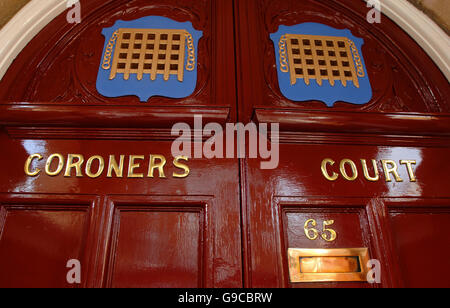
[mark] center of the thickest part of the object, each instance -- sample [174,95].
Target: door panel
[37,242]
[403,77]
[32,80]
[422,246]
[156,231]
[280,202]
[352,157]
[320,224]
[169,229]
[157,248]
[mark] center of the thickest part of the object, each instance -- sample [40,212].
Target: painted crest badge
[151,56]
[318,62]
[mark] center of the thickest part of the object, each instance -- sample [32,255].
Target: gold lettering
[333,234]
[325,162]
[393,169]
[176,163]
[409,164]
[159,166]
[115,168]
[366,170]
[308,230]
[315,233]
[133,165]
[49,163]
[101,166]
[76,165]
[344,172]
[28,164]
[118,168]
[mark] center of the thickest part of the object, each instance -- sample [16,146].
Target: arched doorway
[356,180]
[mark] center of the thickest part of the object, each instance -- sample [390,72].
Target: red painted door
[130,225]
[349,177]
[370,176]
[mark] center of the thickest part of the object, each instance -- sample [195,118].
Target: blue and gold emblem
[317,62]
[151,56]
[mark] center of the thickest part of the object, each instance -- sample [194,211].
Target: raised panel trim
[96,117]
[92,204]
[411,204]
[401,123]
[280,205]
[287,137]
[201,204]
[380,216]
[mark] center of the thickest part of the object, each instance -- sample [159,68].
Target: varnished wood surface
[229,223]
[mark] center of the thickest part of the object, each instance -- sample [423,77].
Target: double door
[94,179]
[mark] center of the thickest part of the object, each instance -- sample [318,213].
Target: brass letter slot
[328,265]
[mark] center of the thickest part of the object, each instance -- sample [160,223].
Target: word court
[349,171]
[76,165]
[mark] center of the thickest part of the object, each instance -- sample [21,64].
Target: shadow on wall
[8,8]
[438,10]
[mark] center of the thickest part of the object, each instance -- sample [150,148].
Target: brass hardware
[321,58]
[116,167]
[49,163]
[393,169]
[71,164]
[315,234]
[154,165]
[28,164]
[409,164]
[344,172]
[328,265]
[333,234]
[390,168]
[179,165]
[307,230]
[325,162]
[366,171]
[150,51]
[97,165]
[101,166]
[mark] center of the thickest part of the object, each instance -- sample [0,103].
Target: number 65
[312,233]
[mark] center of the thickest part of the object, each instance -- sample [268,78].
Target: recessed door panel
[157,248]
[321,187]
[155,184]
[36,244]
[322,228]
[422,246]
[329,233]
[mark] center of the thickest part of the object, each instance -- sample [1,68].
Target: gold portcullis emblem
[321,58]
[149,52]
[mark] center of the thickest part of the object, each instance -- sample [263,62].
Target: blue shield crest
[318,62]
[150,56]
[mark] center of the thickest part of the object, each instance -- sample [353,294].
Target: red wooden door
[228,223]
[127,227]
[321,185]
